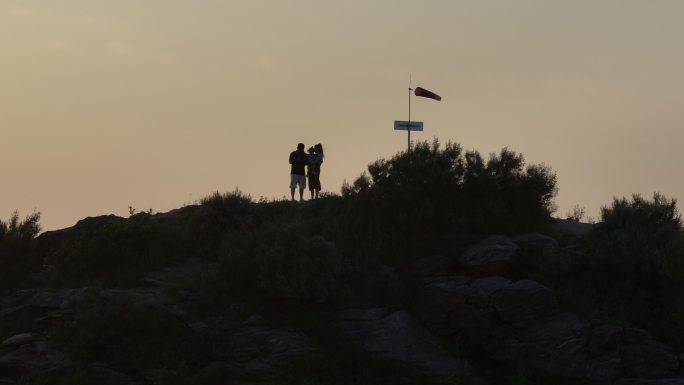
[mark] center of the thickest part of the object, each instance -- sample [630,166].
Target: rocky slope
[468,320]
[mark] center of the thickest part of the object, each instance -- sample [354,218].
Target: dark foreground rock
[397,338]
[104,375]
[519,325]
[492,256]
[479,319]
[569,231]
[645,357]
[39,357]
[19,339]
[535,242]
[666,381]
[263,353]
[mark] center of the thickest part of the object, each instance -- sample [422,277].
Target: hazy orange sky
[158,103]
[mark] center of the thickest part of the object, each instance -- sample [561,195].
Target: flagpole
[409,114]
[409,121]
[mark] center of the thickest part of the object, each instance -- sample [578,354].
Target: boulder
[598,370]
[664,381]
[570,231]
[604,338]
[152,297]
[108,376]
[523,302]
[552,349]
[155,375]
[519,324]
[645,357]
[174,277]
[155,298]
[554,345]
[60,299]
[455,285]
[480,309]
[455,311]
[19,339]
[398,339]
[363,314]
[261,353]
[486,287]
[514,302]
[492,256]
[40,358]
[8,312]
[432,266]
[535,242]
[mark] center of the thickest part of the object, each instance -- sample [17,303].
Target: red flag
[427,94]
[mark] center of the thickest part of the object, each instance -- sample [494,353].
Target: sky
[155,104]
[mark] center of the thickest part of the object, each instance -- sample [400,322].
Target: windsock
[427,94]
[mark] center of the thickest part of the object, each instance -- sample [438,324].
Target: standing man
[298,161]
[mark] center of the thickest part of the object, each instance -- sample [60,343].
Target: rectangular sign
[408,126]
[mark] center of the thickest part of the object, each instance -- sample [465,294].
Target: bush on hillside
[288,263]
[631,267]
[17,249]
[119,251]
[442,189]
[129,334]
[641,241]
[220,212]
[229,216]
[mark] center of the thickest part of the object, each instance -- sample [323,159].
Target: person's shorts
[297,180]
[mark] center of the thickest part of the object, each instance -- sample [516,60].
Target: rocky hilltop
[393,282]
[467,319]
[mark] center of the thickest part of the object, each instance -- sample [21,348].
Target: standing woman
[311,171]
[315,171]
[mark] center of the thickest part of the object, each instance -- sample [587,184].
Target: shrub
[286,263]
[576,213]
[220,212]
[231,216]
[126,333]
[17,249]
[118,251]
[435,189]
[233,198]
[641,240]
[631,267]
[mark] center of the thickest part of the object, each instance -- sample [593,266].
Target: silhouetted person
[310,171]
[310,157]
[315,161]
[298,161]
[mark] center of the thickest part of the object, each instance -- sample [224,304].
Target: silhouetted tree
[443,189]
[17,249]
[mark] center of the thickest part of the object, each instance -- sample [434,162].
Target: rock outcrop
[263,353]
[468,311]
[397,338]
[569,231]
[492,256]
[39,357]
[519,324]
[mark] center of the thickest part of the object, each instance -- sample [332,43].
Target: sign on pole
[408,126]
